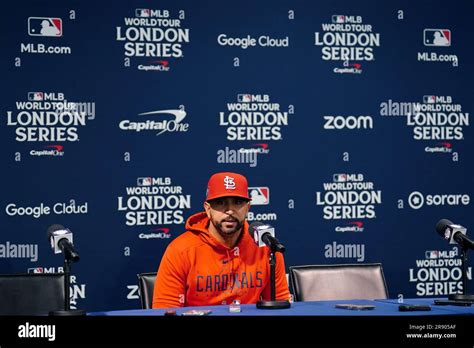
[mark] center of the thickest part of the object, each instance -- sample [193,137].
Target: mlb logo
[142,12]
[447,234]
[429,99]
[144,181]
[432,254]
[45,26]
[339,177]
[259,195]
[338,19]
[244,98]
[437,37]
[36,270]
[35,96]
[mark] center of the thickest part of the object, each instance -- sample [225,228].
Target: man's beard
[225,231]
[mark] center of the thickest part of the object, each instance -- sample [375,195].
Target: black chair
[338,282]
[31,294]
[146,284]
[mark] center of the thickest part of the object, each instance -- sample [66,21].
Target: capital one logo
[173,125]
[417,200]
[179,115]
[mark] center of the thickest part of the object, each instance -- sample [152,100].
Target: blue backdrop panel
[350,120]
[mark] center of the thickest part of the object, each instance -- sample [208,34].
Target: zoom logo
[417,200]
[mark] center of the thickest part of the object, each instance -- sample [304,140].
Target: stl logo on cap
[229,183]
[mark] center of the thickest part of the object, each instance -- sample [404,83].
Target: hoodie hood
[199,223]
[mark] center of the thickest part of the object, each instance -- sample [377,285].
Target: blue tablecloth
[454,309]
[320,308]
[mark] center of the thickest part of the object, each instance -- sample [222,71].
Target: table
[314,322]
[318,308]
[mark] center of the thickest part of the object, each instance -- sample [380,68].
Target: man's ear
[207,208]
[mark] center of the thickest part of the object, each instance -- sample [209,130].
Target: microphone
[61,241]
[264,234]
[454,233]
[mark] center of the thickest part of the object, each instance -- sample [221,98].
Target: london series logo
[254,117]
[49,117]
[436,119]
[155,37]
[349,197]
[348,40]
[438,273]
[154,201]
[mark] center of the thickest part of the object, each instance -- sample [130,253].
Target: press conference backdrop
[351,121]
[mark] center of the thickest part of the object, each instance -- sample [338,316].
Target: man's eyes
[235,202]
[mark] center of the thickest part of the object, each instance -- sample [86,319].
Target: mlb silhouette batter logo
[339,177]
[338,19]
[259,195]
[244,98]
[144,181]
[437,37]
[142,12]
[429,99]
[35,96]
[45,26]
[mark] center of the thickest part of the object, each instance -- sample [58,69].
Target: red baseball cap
[227,184]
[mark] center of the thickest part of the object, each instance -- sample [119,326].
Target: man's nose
[229,208]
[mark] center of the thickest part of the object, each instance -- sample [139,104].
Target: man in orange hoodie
[216,261]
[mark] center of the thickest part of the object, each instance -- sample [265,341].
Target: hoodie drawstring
[231,264]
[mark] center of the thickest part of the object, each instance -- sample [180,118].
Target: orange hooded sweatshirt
[197,270]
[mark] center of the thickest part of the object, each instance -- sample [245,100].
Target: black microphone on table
[454,233]
[61,241]
[264,234]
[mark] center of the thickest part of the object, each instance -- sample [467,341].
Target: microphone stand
[273,304]
[464,296]
[67,302]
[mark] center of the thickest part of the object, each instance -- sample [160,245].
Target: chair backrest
[146,284]
[31,294]
[338,282]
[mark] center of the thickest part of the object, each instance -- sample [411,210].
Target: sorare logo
[45,26]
